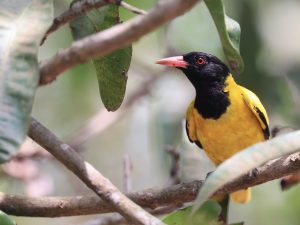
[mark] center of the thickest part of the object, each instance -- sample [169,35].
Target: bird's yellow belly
[235,130]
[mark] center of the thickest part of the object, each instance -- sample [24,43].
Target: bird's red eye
[201,61]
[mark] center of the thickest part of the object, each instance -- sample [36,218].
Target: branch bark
[150,198]
[75,10]
[111,39]
[89,175]
[83,6]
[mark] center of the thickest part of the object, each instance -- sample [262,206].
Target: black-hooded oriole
[224,117]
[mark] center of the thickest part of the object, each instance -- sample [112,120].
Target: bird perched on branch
[225,117]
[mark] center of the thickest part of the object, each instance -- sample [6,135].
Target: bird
[224,117]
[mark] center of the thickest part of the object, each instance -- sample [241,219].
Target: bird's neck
[212,98]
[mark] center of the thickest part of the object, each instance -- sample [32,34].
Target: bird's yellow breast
[235,130]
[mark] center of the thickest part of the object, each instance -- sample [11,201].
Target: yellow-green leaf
[229,32]
[22,26]
[208,214]
[5,219]
[111,69]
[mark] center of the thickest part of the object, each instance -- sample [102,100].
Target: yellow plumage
[244,123]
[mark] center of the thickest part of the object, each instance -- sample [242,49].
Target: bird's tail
[241,196]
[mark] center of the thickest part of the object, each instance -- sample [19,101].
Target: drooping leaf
[22,26]
[208,214]
[229,31]
[111,69]
[5,219]
[244,161]
[240,223]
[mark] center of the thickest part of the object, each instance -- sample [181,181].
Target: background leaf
[111,69]
[21,29]
[5,219]
[229,32]
[276,96]
[208,214]
[244,161]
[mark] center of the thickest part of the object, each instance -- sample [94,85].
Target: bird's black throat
[211,99]
[208,76]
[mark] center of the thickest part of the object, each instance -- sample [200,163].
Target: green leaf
[229,32]
[5,219]
[244,161]
[240,223]
[111,69]
[21,28]
[208,214]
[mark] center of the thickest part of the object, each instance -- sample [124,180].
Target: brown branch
[75,10]
[83,6]
[89,175]
[272,170]
[150,198]
[111,39]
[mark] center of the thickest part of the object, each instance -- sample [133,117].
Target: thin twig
[113,38]
[92,127]
[150,198]
[83,6]
[75,10]
[127,168]
[175,166]
[95,125]
[132,9]
[104,119]
[89,175]
[165,209]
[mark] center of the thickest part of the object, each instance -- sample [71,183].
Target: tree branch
[83,6]
[132,9]
[150,198]
[89,175]
[111,39]
[75,10]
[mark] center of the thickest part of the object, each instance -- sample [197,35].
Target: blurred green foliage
[5,219]
[208,214]
[229,31]
[19,76]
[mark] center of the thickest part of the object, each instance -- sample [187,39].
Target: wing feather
[190,126]
[258,110]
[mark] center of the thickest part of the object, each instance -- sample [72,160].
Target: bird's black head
[208,75]
[199,67]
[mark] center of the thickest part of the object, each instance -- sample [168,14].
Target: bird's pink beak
[175,61]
